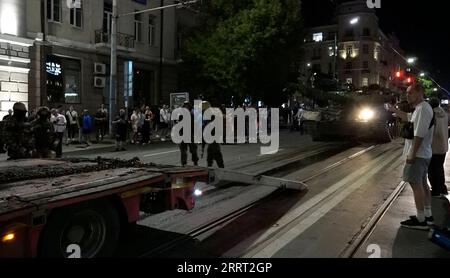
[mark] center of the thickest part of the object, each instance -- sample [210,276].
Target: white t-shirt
[422,117]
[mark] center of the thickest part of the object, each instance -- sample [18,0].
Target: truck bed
[36,184]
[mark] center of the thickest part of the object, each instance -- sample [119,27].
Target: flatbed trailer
[49,206]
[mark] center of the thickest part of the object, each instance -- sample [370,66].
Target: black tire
[93,225]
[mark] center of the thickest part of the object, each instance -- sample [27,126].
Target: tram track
[234,214]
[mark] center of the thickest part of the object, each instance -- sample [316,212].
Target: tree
[428,86]
[242,48]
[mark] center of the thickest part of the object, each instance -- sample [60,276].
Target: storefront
[63,80]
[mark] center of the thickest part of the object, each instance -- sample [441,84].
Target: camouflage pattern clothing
[18,137]
[45,138]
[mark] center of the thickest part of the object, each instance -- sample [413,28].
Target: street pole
[335,56]
[161,54]
[113,70]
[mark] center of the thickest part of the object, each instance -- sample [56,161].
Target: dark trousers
[72,131]
[214,154]
[60,136]
[193,150]
[436,175]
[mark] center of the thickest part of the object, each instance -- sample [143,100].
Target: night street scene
[224,129]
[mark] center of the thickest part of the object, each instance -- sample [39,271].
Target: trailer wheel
[94,226]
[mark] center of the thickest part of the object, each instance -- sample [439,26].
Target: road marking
[280,242]
[156,154]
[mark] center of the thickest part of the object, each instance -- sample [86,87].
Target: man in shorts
[418,153]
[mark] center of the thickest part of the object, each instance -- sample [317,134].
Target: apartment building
[354,49]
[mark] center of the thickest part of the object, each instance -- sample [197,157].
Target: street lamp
[422,74]
[411,60]
[354,21]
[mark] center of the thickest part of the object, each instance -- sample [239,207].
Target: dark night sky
[423,28]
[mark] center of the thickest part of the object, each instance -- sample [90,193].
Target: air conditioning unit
[99,82]
[99,68]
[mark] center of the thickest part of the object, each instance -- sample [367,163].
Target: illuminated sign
[53,68]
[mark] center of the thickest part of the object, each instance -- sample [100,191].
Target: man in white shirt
[418,155]
[164,121]
[59,123]
[436,173]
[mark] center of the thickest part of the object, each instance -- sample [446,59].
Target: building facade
[354,50]
[53,52]
[15,59]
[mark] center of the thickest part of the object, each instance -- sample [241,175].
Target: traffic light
[409,80]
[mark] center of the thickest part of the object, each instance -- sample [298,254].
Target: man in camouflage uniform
[17,134]
[45,137]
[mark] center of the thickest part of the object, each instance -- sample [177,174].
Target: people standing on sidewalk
[146,128]
[100,122]
[136,125]
[436,173]
[72,121]
[121,126]
[86,127]
[418,155]
[164,121]
[59,123]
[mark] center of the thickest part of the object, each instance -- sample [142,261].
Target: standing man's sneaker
[429,220]
[414,223]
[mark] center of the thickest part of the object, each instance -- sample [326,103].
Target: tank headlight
[366,115]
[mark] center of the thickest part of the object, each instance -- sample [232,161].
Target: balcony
[124,41]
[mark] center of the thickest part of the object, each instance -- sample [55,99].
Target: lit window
[54,10]
[330,51]
[365,82]
[318,37]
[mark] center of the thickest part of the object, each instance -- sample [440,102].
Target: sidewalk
[398,242]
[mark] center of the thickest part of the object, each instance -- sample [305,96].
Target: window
[365,82]
[151,30]
[76,17]
[366,32]
[350,51]
[365,64]
[54,10]
[318,37]
[365,49]
[138,27]
[64,84]
[331,52]
[107,17]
